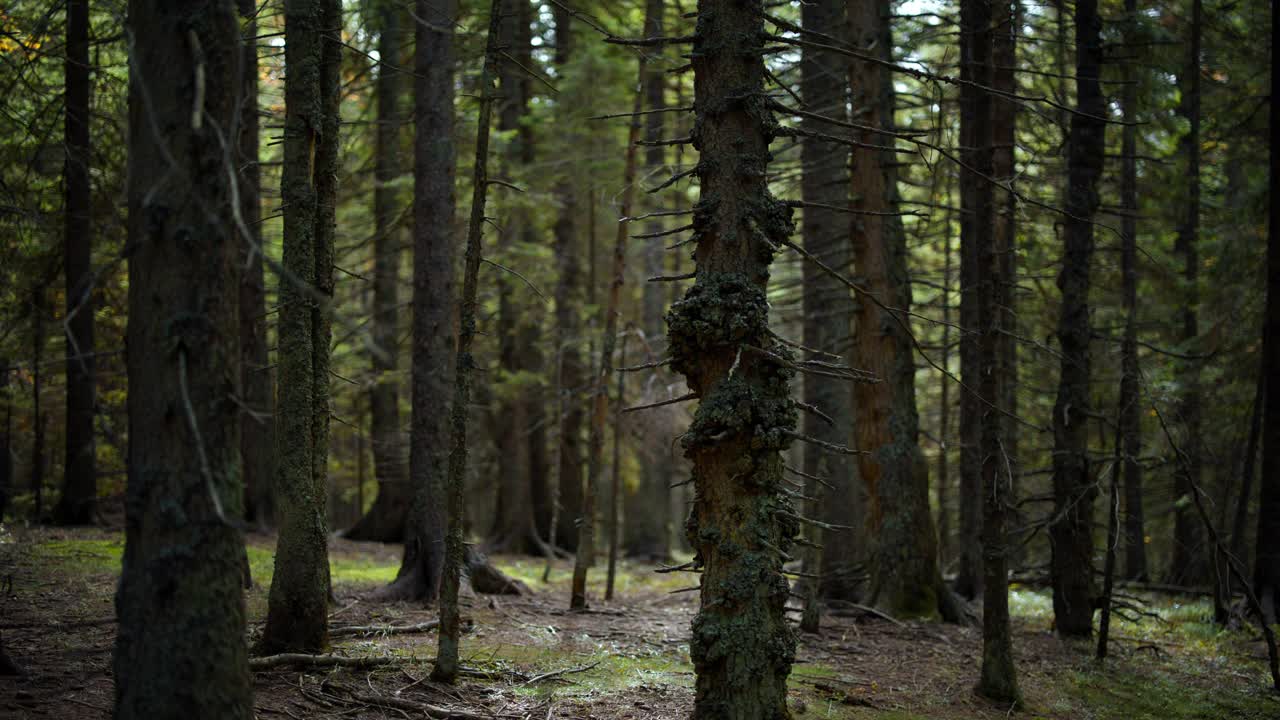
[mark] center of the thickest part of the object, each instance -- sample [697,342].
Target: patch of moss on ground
[614,672]
[1121,694]
[631,578]
[82,556]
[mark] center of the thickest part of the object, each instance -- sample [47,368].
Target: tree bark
[6,438]
[38,301]
[976,227]
[1190,562]
[180,650]
[385,521]
[1135,565]
[297,611]
[905,578]
[828,316]
[80,482]
[1071,534]
[647,521]
[742,524]
[446,669]
[257,388]
[600,384]
[434,202]
[1266,576]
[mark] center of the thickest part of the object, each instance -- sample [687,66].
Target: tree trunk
[1071,535]
[1190,562]
[905,579]
[434,201]
[976,229]
[180,650]
[646,525]
[742,523]
[519,407]
[6,439]
[828,311]
[37,415]
[1266,576]
[385,521]
[80,483]
[1135,565]
[600,384]
[446,669]
[297,608]
[257,389]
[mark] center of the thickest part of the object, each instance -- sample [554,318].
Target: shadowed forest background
[639,359]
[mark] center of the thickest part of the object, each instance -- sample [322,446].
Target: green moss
[82,556]
[1123,694]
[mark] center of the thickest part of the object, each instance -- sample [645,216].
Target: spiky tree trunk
[646,525]
[1071,533]
[297,609]
[257,441]
[37,391]
[80,483]
[1190,555]
[6,438]
[434,200]
[180,650]
[385,521]
[741,523]
[1135,565]
[1266,576]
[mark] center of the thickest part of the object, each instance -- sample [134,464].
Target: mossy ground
[1179,667]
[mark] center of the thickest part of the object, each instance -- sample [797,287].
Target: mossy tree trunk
[297,612]
[80,482]
[385,521]
[742,523]
[180,650]
[905,579]
[828,313]
[1071,535]
[434,200]
[257,441]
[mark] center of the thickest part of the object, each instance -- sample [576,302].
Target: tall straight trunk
[446,669]
[976,227]
[569,300]
[1266,575]
[600,383]
[1190,562]
[6,439]
[434,200]
[37,415]
[943,483]
[905,575]
[385,520]
[828,311]
[1135,547]
[257,441]
[79,483]
[742,523]
[646,526]
[180,650]
[297,608]
[1240,517]
[1004,113]
[1071,533]
[519,408]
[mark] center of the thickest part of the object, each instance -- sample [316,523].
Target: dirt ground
[530,658]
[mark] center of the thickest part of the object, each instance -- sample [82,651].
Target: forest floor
[626,659]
